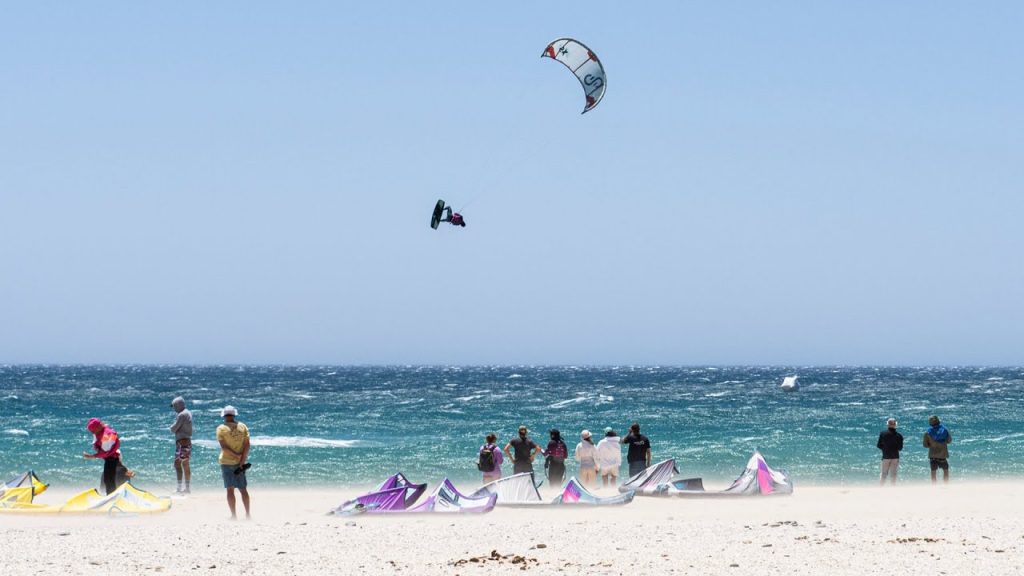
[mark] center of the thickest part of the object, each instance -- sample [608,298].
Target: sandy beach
[968,528]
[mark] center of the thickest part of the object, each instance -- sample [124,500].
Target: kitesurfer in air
[454,218]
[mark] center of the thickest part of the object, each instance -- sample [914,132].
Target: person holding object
[233,437]
[107,446]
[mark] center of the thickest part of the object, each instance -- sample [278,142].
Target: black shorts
[937,463]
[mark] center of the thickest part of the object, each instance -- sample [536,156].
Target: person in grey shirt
[182,430]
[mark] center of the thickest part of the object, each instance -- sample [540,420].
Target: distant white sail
[790,383]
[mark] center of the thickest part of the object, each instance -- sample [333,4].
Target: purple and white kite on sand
[521,490]
[757,479]
[575,493]
[398,495]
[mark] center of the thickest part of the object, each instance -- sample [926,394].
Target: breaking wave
[289,442]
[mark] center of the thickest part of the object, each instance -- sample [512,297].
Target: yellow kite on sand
[124,499]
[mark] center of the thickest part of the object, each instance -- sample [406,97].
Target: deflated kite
[584,64]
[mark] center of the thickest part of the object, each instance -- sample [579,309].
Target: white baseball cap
[585,434]
[228,411]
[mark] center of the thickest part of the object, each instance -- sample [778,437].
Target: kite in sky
[584,64]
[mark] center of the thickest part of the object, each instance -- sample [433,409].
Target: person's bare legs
[945,476]
[178,472]
[231,502]
[933,476]
[188,475]
[245,502]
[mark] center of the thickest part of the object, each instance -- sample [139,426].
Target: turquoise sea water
[320,425]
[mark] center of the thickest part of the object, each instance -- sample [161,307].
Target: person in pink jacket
[107,447]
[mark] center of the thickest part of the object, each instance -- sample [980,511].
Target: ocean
[326,426]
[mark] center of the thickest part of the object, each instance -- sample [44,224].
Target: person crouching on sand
[107,446]
[234,451]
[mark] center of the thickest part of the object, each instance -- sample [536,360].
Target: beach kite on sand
[23,488]
[757,479]
[397,495]
[18,496]
[583,63]
[521,490]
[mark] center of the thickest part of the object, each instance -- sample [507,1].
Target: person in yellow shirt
[233,437]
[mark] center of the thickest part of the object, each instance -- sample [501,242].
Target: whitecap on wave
[16,432]
[576,400]
[288,442]
[717,394]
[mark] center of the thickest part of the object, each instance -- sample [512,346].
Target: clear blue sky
[769,183]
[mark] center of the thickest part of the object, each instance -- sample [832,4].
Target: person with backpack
[554,461]
[489,459]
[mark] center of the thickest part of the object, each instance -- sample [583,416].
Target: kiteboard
[436,218]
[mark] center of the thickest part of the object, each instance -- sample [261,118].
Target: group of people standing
[233,437]
[603,458]
[936,439]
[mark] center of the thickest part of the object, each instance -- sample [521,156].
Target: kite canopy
[521,490]
[757,479]
[446,498]
[397,495]
[584,64]
[26,480]
[576,494]
[513,490]
[124,499]
[653,480]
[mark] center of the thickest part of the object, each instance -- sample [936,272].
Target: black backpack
[486,461]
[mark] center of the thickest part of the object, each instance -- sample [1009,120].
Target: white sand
[968,528]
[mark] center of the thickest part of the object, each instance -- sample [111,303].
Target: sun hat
[585,434]
[93,423]
[608,429]
[228,411]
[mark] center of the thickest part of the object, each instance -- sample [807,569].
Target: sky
[784,183]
